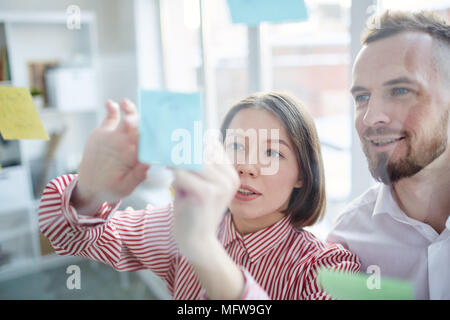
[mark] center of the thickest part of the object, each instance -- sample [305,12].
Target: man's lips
[380,141]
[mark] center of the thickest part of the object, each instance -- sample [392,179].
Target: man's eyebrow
[395,81]
[399,81]
[356,89]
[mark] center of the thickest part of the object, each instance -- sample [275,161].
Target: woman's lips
[247,197]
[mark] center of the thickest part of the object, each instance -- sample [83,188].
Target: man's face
[402,105]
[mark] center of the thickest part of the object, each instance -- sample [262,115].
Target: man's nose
[377,112]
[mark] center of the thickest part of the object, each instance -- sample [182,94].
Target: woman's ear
[298,184]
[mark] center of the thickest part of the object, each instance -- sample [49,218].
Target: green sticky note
[348,286]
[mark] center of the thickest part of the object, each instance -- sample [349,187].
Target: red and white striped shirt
[278,262]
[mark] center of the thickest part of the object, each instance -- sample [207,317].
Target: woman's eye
[400,91]
[235,146]
[272,153]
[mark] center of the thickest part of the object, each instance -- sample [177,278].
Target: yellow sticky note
[19,118]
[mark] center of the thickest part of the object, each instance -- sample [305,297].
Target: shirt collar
[227,232]
[257,244]
[385,203]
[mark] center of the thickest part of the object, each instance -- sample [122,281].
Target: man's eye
[400,91]
[362,97]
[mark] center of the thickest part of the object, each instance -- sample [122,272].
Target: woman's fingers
[112,115]
[217,172]
[218,163]
[128,107]
[213,180]
[130,119]
[188,184]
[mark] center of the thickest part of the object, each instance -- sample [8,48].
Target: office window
[228,56]
[311,60]
[441,6]
[225,47]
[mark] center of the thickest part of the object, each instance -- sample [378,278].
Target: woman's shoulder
[319,251]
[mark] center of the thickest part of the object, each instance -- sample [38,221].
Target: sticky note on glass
[19,118]
[347,286]
[253,12]
[171,129]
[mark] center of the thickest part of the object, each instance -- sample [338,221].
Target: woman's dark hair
[306,204]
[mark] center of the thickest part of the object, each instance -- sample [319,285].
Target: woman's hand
[110,169]
[201,199]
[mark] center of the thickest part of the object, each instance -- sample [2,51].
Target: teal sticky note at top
[348,286]
[253,12]
[171,128]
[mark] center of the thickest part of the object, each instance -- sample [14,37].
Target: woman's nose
[247,170]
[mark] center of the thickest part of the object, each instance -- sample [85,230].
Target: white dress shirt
[375,228]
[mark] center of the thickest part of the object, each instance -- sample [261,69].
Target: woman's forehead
[251,118]
[260,124]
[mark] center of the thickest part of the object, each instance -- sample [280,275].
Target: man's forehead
[404,54]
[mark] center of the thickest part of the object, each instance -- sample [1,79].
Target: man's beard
[389,171]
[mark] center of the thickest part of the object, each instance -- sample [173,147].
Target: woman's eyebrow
[280,141]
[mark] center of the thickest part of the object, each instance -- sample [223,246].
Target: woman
[256,250]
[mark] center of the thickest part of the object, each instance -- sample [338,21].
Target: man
[401,82]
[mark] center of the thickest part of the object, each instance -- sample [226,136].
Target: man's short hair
[390,23]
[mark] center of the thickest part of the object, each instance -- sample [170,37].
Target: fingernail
[181,193]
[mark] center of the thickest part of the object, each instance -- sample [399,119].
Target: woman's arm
[333,257]
[78,213]
[221,278]
[201,199]
[127,240]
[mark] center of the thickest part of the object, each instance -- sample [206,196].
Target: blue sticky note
[171,129]
[253,12]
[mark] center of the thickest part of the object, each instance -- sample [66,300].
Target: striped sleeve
[127,240]
[252,290]
[334,257]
